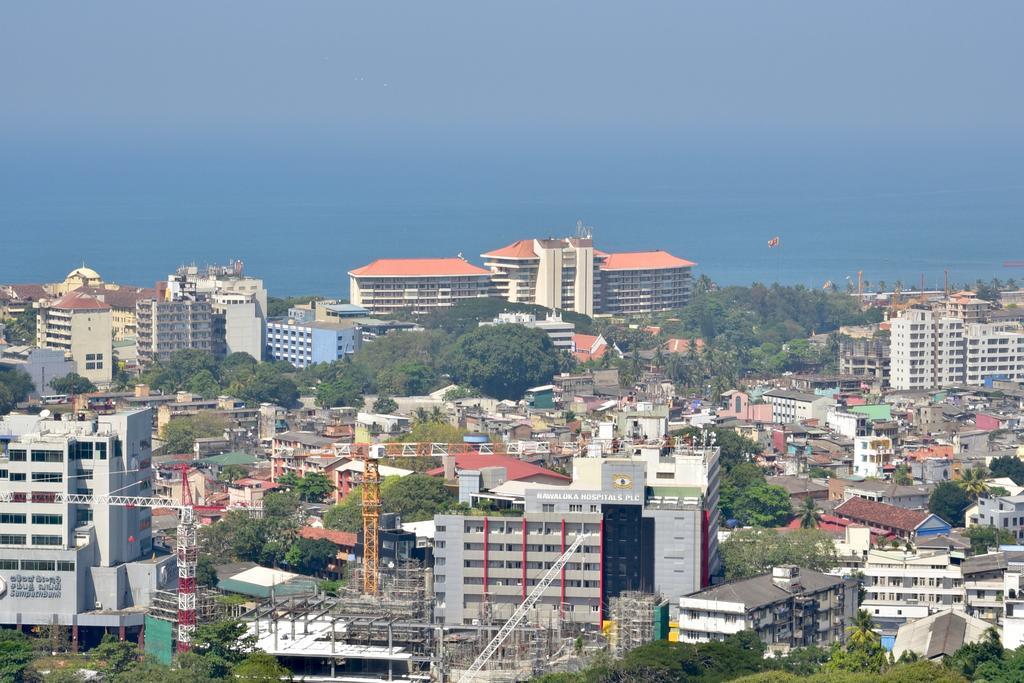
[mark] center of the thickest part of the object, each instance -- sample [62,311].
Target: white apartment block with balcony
[871,454]
[82,326]
[904,586]
[994,351]
[417,285]
[81,564]
[790,607]
[926,350]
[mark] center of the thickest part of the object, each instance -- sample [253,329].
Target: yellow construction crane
[371,522]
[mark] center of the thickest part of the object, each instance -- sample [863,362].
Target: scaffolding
[633,616]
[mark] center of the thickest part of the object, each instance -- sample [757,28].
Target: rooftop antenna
[583,231]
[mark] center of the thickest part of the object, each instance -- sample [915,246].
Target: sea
[302,218]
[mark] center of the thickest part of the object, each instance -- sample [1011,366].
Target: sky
[308,137]
[478,77]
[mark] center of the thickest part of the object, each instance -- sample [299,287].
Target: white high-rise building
[926,350]
[993,350]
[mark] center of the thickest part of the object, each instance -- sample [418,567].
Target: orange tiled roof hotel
[557,273]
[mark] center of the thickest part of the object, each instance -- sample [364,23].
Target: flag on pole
[773,242]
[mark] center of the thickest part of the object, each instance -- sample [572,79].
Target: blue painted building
[304,343]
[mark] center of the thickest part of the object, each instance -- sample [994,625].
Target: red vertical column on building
[487,559]
[600,584]
[561,603]
[705,573]
[524,558]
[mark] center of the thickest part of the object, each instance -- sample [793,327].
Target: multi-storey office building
[80,325]
[643,537]
[416,285]
[790,406]
[790,607]
[82,565]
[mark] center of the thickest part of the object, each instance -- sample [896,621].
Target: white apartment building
[871,454]
[904,586]
[796,406]
[790,607]
[926,350]
[81,325]
[1002,512]
[993,351]
[416,285]
[558,331]
[238,302]
[81,564]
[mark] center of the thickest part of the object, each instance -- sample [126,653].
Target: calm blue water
[301,220]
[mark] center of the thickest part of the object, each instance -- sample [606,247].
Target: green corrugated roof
[232,458]
[878,411]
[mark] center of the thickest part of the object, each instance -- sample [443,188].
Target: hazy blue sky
[337,73]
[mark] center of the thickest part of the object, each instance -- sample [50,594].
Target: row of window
[19,539]
[38,565]
[20,517]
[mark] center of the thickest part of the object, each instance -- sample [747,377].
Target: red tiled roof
[515,469]
[880,514]
[342,538]
[522,249]
[74,301]
[937,451]
[681,345]
[644,260]
[418,267]
[588,347]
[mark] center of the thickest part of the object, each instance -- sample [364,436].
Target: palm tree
[973,482]
[862,631]
[437,414]
[808,514]
[421,416]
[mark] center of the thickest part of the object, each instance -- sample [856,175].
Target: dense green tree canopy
[749,552]
[1008,466]
[503,361]
[949,501]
